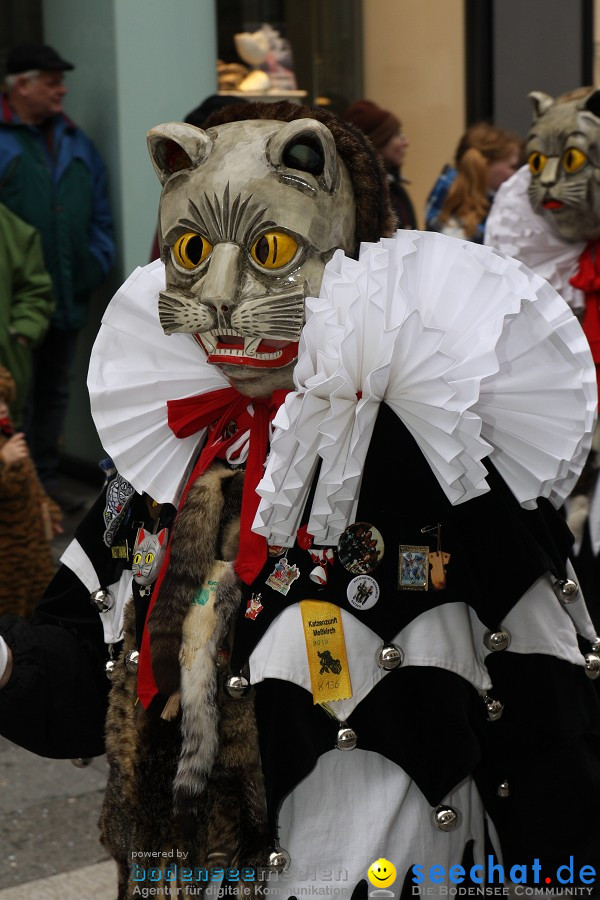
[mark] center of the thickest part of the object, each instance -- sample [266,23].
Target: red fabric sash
[217,409]
[587,279]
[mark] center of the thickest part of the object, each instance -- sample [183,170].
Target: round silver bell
[132,660]
[445,818]
[596,646]
[279,860]
[566,590]
[81,762]
[389,657]
[102,599]
[503,789]
[494,709]
[497,640]
[592,665]
[347,738]
[237,686]
[110,667]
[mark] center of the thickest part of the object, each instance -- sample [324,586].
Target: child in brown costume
[28,518]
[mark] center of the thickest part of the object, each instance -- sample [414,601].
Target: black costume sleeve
[55,701]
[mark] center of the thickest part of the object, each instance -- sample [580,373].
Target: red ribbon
[218,409]
[587,279]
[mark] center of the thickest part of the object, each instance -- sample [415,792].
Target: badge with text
[413,568]
[326,651]
[360,548]
[363,592]
[283,576]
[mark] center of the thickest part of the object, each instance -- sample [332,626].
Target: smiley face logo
[382,873]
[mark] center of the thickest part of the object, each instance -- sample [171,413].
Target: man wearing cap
[52,176]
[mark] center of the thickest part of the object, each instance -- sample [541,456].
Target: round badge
[360,548]
[363,592]
[275,550]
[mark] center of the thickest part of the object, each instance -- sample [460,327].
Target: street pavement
[49,809]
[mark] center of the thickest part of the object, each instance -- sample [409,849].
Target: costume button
[237,686]
[566,591]
[497,640]
[132,660]
[81,762]
[445,818]
[279,860]
[503,789]
[494,708]
[592,665]
[102,599]
[347,738]
[110,667]
[389,657]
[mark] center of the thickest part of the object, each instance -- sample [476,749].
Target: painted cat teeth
[251,346]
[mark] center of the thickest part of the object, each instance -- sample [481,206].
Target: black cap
[29,57]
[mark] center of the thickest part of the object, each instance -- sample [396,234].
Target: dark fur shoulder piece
[374,213]
[204,523]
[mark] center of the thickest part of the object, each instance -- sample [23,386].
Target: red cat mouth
[253,352]
[553,204]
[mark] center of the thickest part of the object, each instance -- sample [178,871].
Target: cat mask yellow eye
[191,249]
[537,161]
[573,160]
[273,250]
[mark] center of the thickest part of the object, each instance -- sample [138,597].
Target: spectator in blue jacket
[52,176]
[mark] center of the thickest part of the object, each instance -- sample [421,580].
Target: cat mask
[250,213]
[563,152]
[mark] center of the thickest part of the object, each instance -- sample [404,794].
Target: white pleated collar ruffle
[475,354]
[514,228]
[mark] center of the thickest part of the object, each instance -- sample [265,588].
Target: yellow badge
[326,651]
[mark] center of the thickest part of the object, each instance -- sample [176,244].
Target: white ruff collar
[514,228]
[475,354]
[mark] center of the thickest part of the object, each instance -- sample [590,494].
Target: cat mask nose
[220,285]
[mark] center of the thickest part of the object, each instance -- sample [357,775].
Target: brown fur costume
[171,775]
[26,512]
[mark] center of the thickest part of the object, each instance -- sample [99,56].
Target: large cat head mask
[563,151]
[250,213]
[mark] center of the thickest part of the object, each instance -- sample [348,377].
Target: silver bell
[494,708]
[237,686]
[566,590]
[592,665]
[389,657]
[81,762]
[503,789]
[497,640]
[347,738]
[110,667]
[596,646]
[279,860]
[445,818]
[132,660]
[102,599]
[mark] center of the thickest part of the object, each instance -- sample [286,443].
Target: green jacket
[26,300]
[61,192]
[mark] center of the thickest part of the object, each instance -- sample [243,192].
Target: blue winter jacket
[53,178]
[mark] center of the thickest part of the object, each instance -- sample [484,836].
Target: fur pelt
[190,781]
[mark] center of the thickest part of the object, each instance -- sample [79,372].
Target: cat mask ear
[305,146]
[540,103]
[176,146]
[592,104]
